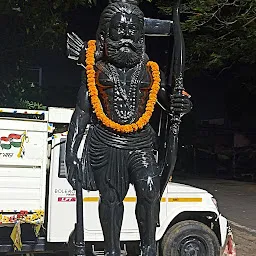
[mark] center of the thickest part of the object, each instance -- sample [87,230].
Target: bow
[175,76]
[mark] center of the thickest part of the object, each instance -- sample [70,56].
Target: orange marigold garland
[96,104]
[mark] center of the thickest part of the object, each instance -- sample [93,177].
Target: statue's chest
[122,93]
[122,83]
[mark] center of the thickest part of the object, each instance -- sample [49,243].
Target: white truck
[37,204]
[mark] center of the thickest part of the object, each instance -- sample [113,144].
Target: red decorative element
[23,212]
[230,249]
[66,199]
[14,136]
[4,138]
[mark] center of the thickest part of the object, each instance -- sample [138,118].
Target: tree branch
[250,21]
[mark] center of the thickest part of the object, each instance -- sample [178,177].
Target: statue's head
[120,35]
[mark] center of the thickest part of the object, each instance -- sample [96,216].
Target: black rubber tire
[190,238]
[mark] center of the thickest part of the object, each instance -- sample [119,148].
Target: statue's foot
[148,250]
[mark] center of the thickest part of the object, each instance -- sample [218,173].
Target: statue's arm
[163,97]
[80,119]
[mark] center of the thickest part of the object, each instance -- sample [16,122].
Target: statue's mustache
[128,43]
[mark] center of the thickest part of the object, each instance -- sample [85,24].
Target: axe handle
[79,211]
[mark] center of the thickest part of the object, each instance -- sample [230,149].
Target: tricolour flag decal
[5,143]
[16,141]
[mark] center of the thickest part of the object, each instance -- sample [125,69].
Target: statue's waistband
[136,140]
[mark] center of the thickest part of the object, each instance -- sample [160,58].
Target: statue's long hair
[113,8]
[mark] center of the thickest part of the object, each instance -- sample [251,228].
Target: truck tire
[190,238]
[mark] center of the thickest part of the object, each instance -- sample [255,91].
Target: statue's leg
[147,210]
[111,215]
[145,177]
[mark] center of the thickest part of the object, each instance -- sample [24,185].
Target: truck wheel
[190,238]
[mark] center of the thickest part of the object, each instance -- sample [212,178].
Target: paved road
[245,242]
[237,202]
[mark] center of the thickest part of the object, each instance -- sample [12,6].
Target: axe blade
[156,27]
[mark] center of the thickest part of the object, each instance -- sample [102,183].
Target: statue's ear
[100,47]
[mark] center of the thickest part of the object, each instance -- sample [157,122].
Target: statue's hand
[180,103]
[72,163]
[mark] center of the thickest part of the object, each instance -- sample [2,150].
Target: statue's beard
[124,53]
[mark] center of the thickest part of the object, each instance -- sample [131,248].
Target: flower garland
[95,101]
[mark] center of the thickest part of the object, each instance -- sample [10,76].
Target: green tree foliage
[18,93]
[219,33]
[220,38]
[25,27]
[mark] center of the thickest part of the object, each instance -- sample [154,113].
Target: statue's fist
[180,103]
[72,163]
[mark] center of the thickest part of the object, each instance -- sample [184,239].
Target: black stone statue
[112,159]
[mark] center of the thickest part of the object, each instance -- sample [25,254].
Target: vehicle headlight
[215,202]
